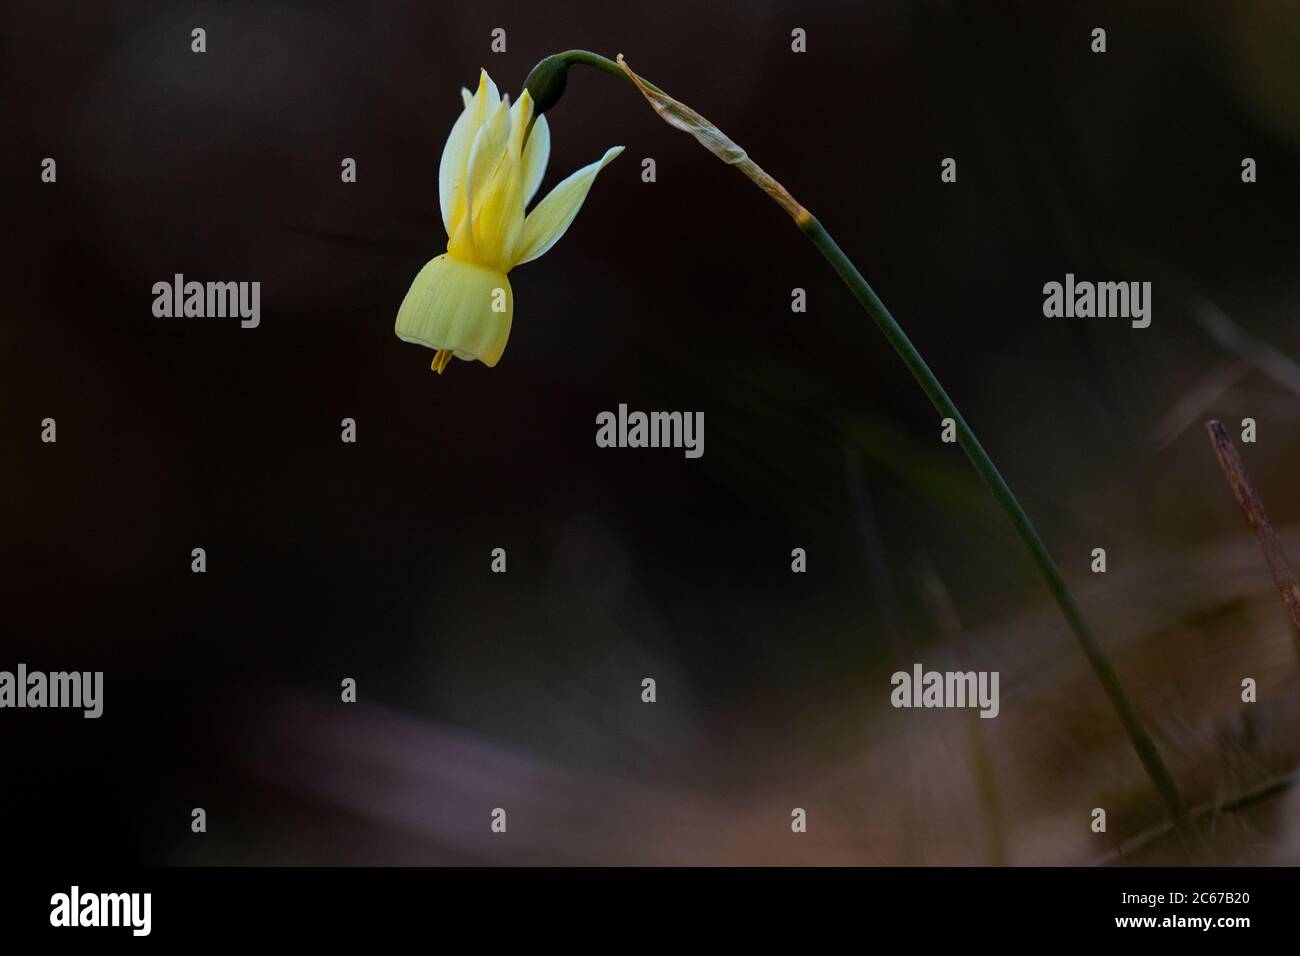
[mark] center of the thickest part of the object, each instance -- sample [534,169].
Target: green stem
[587,58]
[546,82]
[1146,748]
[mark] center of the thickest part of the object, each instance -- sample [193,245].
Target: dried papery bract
[680,116]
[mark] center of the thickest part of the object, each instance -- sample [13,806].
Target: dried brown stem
[1269,542]
[1264,790]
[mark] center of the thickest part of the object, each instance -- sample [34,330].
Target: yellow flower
[461,303]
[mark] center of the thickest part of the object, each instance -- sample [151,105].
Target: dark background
[522,690]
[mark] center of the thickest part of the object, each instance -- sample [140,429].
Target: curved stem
[682,117]
[595,60]
[1146,748]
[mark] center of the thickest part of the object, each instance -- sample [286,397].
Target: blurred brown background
[522,691]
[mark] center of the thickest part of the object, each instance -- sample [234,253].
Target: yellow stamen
[440,360]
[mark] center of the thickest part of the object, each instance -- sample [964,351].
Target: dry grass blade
[1269,542]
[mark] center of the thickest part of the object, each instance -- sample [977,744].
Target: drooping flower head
[461,303]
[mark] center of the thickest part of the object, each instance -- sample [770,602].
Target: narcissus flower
[461,303]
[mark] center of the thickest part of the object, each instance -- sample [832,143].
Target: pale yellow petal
[461,243]
[453,305]
[451,170]
[537,151]
[491,98]
[533,146]
[455,154]
[499,216]
[553,215]
[489,146]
